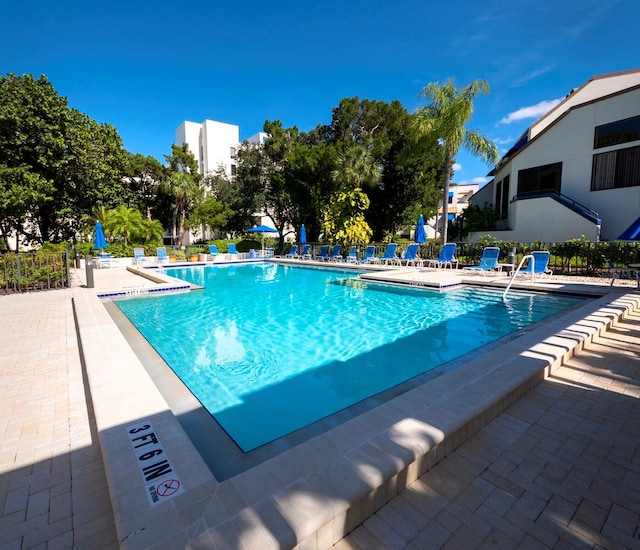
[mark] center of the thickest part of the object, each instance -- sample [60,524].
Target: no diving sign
[160,478]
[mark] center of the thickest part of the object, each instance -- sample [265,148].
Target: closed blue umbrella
[303,234]
[98,238]
[421,233]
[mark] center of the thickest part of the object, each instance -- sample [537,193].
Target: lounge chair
[352,257]
[231,249]
[268,252]
[410,255]
[336,253]
[104,259]
[323,254]
[138,255]
[161,255]
[447,257]
[213,250]
[369,255]
[389,254]
[306,252]
[538,266]
[293,253]
[488,262]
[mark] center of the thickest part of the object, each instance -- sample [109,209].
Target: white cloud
[478,180]
[533,111]
[457,166]
[533,74]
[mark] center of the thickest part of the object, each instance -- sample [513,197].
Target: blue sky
[146,67]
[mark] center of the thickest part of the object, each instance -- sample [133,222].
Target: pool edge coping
[274,502]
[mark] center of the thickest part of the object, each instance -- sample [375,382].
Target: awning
[451,193]
[631,233]
[451,217]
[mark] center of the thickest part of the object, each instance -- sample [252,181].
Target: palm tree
[444,120]
[124,221]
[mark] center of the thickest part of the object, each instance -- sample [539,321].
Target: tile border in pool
[315,493]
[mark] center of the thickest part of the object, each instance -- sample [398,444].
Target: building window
[232,152]
[540,179]
[233,169]
[615,133]
[502,198]
[616,169]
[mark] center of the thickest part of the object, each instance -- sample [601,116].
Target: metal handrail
[517,270]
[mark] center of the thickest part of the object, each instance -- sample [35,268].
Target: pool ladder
[517,270]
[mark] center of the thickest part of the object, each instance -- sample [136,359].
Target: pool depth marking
[161,480]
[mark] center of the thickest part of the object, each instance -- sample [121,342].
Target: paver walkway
[53,489]
[559,469]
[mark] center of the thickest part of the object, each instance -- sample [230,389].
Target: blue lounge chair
[306,252]
[213,250]
[538,266]
[161,255]
[352,257]
[293,253]
[323,254]
[389,254]
[138,255]
[410,255]
[369,255]
[447,257]
[488,262]
[336,253]
[231,249]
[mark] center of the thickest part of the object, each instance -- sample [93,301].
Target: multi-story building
[576,170]
[213,144]
[459,197]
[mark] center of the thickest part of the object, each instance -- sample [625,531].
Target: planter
[193,258]
[172,259]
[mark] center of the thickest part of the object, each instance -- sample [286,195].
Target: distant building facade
[214,145]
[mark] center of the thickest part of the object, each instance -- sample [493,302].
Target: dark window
[540,179]
[502,198]
[616,169]
[615,133]
[233,169]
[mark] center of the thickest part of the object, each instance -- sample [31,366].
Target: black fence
[575,257]
[28,272]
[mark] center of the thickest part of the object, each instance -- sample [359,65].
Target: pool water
[268,349]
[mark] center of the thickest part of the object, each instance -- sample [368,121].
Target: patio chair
[231,249]
[213,250]
[352,257]
[410,255]
[323,254]
[138,256]
[389,254]
[306,252]
[161,255]
[488,262]
[538,266]
[336,253]
[293,253]
[369,255]
[447,257]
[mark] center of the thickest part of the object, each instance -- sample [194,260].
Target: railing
[27,272]
[517,270]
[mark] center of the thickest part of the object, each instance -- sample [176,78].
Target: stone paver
[53,489]
[563,467]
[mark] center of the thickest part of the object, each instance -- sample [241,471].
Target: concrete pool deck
[69,480]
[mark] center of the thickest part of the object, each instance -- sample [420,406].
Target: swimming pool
[268,349]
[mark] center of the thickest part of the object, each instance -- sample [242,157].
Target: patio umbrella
[98,238]
[262,229]
[303,234]
[421,234]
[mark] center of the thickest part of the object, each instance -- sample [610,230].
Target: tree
[183,183]
[444,120]
[125,222]
[56,163]
[143,175]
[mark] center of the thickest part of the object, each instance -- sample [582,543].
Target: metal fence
[33,271]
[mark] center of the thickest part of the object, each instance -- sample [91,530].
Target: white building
[576,170]
[459,197]
[213,144]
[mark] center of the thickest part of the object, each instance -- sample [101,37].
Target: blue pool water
[268,349]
